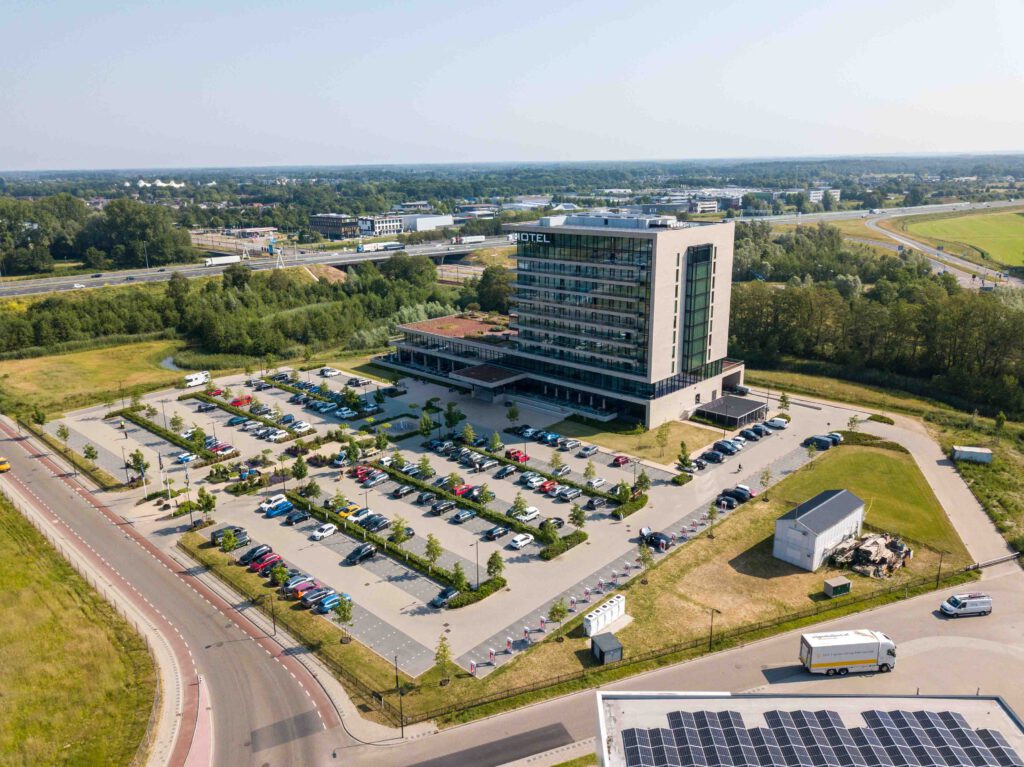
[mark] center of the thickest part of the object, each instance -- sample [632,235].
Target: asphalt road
[261,711]
[12,288]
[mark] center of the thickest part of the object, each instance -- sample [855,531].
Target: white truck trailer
[468,239]
[223,260]
[840,652]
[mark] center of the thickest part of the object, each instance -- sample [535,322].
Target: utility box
[836,587]
[605,648]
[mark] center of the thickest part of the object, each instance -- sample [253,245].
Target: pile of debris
[876,555]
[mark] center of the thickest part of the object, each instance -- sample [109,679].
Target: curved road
[265,708]
[11,288]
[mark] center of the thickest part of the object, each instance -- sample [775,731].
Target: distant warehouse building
[807,535]
[426,222]
[334,226]
[380,225]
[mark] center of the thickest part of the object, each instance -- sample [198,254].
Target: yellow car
[349,510]
[4,465]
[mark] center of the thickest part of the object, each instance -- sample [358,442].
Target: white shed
[806,535]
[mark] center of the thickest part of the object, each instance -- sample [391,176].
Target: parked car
[272,501]
[739,441]
[528,475]
[235,420]
[587,450]
[496,532]
[461,490]
[556,522]
[186,457]
[620,460]
[820,442]
[359,514]
[463,515]
[504,471]
[218,535]
[426,497]
[530,514]
[725,447]
[324,531]
[440,507]
[279,509]
[241,401]
[777,423]
[960,605]
[329,372]
[409,533]
[554,490]
[712,456]
[534,482]
[205,407]
[727,502]
[361,553]
[547,485]
[254,553]
[296,516]
[569,493]
[262,564]
[446,595]
[518,456]
[596,503]
[377,479]
[328,603]
[521,541]
[751,435]
[562,471]
[402,490]
[596,482]
[658,541]
[310,598]
[378,525]
[761,430]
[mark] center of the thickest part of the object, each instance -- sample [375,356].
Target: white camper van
[197,379]
[840,652]
[967,604]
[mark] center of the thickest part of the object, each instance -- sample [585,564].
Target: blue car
[328,603]
[279,508]
[237,420]
[286,419]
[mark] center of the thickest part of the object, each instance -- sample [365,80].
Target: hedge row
[487,588]
[396,552]
[238,411]
[870,440]
[682,478]
[563,544]
[170,436]
[479,508]
[623,510]
[881,419]
[89,469]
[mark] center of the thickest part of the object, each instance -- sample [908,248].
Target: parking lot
[391,614]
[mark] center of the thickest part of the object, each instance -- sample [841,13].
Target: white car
[324,531]
[521,541]
[277,436]
[531,513]
[301,427]
[777,423]
[596,482]
[329,372]
[739,439]
[272,501]
[534,482]
[78,286]
[346,412]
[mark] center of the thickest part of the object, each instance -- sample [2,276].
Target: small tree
[684,454]
[486,495]
[812,450]
[643,482]
[433,550]
[452,415]
[399,536]
[644,556]
[396,457]
[343,612]
[468,434]
[454,480]
[589,472]
[661,436]
[228,542]
[279,574]
[853,423]
[63,435]
[151,412]
[312,490]
[136,399]
[378,397]
[443,656]
[577,516]
[1000,421]
[300,470]
[712,516]
[352,451]
[512,414]
[177,423]
[90,454]
[494,442]
[424,466]
[198,437]
[459,577]
[519,505]
[426,425]
[495,565]
[38,416]
[206,501]
[138,462]
[766,480]
[784,402]
[558,611]
[380,441]
[623,492]
[556,461]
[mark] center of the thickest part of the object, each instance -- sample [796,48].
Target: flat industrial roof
[687,729]
[731,406]
[456,326]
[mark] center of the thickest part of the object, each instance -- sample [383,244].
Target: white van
[967,604]
[777,423]
[197,379]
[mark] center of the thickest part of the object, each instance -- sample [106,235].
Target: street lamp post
[188,498]
[711,631]
[478,565]
[938,575]
[401,702]
[124,462]
[273,612]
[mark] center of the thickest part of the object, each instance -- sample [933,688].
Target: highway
[11,288]
[265,709]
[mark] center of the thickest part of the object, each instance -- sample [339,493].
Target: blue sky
[226,83]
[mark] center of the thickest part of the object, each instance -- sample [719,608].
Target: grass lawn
[67,381]
[587,760]
[77,683]
[624,438]
[362,364]
[493,256]
[997,234]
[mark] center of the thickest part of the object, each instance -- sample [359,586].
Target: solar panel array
[817,739]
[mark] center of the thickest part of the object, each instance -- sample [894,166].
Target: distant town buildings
[334,226]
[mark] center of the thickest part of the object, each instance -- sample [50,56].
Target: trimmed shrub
[630,507]
[487,588]
[881,419]
[681,478]
[563,544]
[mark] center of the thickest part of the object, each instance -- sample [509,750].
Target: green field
[76,684]
[985,236]
[623,437]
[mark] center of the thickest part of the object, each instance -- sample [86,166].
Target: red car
[512,452]
[517,455]
[241,401]
[216,392]
[462,489]
[546,486]
[620,460]
[362,472]
[264,563]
